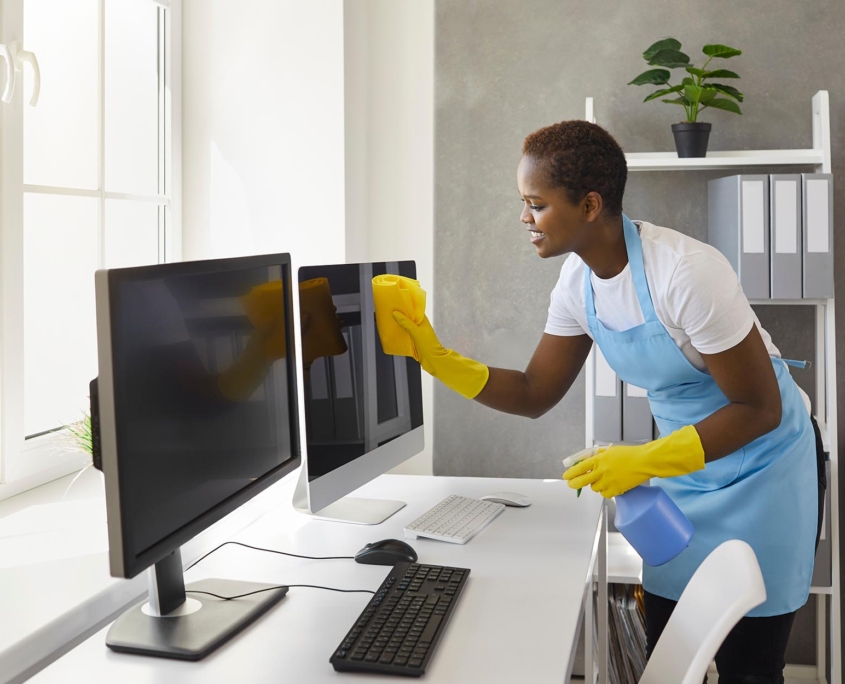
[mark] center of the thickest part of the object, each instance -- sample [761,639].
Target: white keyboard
[456,519]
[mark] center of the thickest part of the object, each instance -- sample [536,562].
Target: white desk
[517,620]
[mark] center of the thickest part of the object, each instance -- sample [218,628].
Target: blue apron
[765,494]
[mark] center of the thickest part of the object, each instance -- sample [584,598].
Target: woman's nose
[526,215]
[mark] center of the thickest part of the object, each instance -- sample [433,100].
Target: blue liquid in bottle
[653,524]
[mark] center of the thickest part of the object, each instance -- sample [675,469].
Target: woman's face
[555,226]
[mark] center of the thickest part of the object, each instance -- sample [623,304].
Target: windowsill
[55,586]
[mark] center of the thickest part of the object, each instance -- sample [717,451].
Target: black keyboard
[400,627]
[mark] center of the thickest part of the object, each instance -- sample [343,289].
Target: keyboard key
[415,662]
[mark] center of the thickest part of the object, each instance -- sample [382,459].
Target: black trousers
[753,653]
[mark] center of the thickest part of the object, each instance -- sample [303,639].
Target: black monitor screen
[203,399]
[357,398]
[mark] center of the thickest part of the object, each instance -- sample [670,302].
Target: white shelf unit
[620,563]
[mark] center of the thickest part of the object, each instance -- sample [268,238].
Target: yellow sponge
[397,293]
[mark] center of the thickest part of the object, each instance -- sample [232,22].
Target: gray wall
[504,69]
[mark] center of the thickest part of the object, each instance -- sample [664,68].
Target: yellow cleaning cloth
[321,334]
[397,293]
[264,305]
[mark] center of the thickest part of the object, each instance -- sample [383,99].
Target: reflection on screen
[356,396]
[201,383]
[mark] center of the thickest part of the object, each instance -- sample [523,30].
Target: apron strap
[634,247]
[634,244]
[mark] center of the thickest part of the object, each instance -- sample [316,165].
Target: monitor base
[358,511]
[194,635]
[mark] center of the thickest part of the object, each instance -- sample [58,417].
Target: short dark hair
[581,157]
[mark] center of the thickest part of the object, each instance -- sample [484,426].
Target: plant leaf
[665,91]
[695,71]
[707,94]
[652,77]
[720,73]
[687,81]
[727,105]
[671,59]
[722,51]
[666,44]
[693,92]
[679,101]
[727,90]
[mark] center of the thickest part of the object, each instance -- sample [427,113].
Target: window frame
[29,462]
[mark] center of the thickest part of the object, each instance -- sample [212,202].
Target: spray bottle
[646,516]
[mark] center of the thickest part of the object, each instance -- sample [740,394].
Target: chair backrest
[725,587]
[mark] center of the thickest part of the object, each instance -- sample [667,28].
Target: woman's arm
[550,373]
[745,375]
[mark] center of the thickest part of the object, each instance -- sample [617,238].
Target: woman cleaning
[737,451]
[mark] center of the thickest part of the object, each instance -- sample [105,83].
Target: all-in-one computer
[362,408]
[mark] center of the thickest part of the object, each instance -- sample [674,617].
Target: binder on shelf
[738,226]
[636,415]
[785,236]
[817,195]
[822,567]
[607,402]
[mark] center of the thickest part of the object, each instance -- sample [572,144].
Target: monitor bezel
[124,562]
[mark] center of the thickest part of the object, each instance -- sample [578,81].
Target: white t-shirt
[696,296]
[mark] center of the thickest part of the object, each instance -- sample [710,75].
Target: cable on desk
[281,553]
[281,586]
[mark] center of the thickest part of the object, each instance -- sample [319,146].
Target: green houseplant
[694,93]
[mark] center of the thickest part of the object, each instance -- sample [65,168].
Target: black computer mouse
[386,552]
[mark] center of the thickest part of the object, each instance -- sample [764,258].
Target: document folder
[738,226]
[636,415]
[607,402]
[785,236]
[817,191]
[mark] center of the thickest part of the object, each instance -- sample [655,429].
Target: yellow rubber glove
[617,469]
[465,376]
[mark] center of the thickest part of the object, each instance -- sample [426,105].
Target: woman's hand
[618,469]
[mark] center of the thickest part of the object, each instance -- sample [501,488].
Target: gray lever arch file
[785,236]
[738,226]
[636,415]
[817,192]
[607,402]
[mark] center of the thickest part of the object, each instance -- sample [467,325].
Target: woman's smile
[536,235]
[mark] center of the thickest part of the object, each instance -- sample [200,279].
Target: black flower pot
[691,138]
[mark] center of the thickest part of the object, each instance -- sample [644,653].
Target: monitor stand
[349,509]
[171,625]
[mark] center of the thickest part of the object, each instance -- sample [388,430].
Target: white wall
[263,129]
[308,127]
[390,148]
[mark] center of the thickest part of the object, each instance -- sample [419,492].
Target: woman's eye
[534,207]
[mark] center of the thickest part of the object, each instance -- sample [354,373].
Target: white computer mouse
[508,498]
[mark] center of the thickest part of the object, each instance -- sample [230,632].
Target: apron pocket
[719,473]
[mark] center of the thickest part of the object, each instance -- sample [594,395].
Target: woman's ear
[593,206]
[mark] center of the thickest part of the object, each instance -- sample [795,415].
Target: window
[90,180]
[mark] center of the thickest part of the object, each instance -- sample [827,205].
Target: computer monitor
[196,412]
[362,408]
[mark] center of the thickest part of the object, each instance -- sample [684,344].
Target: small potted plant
[694,93]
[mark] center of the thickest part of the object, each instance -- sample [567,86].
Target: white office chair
[725,587]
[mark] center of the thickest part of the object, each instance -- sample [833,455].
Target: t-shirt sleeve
[706,301]
[562,320]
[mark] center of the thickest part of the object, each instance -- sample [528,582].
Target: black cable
[282,553]
[258,548]
[258,591]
